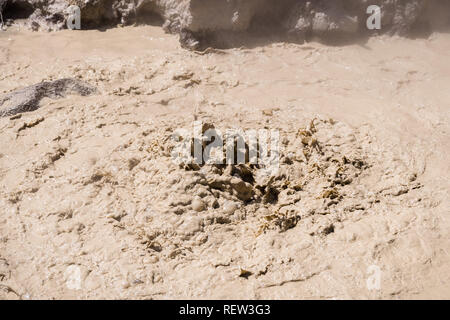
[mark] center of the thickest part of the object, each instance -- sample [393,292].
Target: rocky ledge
[224,23]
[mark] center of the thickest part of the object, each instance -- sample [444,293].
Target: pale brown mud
[88,187]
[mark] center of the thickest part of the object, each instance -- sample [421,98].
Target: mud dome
[323,166]
[220,23]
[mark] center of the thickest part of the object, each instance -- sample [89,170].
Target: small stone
[198,205]
[133,162]
[125,284]
[230,207]
[244,273]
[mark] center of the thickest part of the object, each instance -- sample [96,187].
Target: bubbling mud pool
[93,205]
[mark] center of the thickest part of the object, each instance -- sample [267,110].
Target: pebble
[125,284]
[230,207]
[198,205]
